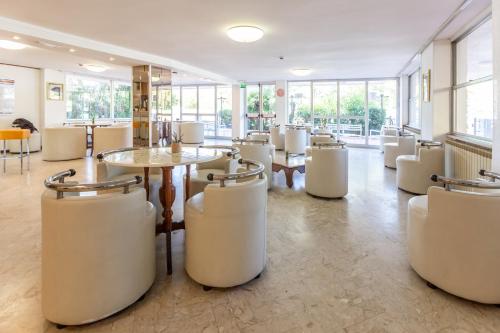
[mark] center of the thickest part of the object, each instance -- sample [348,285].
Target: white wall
[496,85]
[403,99]
[27,94]
[426,107]
[436,113]
[441,90]
[53,113]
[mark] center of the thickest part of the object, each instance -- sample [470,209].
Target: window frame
[338,113]
[197,115]
[112,83]
[262,116]
[455,86]
[418,72]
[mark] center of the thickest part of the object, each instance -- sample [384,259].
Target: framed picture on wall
[426,86]
[55,91]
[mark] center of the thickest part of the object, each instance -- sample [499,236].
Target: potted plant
[176,143]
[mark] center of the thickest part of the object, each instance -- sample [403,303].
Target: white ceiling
[336,38]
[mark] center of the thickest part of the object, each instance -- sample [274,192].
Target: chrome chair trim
[56,183]
[258,170]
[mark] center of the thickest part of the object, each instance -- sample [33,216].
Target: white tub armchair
[327,170]
[277,138]
[453,241]
[295,140]
[404,146]
[258,151]
[388,134]
[112,137]
[259,136]
[192,132]
[414,171]
[321,138]
[64,143]
[98,252]
[228,163]
[226,231]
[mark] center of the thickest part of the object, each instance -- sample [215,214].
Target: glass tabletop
[293,161]
[162,157]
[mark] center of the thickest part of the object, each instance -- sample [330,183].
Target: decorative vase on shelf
[176,147]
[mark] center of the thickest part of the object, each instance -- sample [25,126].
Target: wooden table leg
[289,177]
[188,180]
[146,182]
[167,213]
[92,138]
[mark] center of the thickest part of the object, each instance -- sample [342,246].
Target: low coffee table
[294,162]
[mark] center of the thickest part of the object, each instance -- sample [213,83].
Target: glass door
[268,101]
[352,123]
[261,106]
[253,107]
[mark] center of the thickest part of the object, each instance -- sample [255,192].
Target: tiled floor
[333,266]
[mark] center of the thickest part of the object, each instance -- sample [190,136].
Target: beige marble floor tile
[333,266]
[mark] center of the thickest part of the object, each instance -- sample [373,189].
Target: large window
[414,100]
[189,103]
[206,99]
[324,103]
[94,98]
[209,104]
[473,85]
[299,102]
[353,110]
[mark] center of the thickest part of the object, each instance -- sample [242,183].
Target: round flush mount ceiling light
[10,45]
[245,33]
[94,68]
[301,71]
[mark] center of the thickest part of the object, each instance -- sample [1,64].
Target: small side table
[289,166]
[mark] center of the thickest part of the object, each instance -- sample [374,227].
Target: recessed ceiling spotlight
[301,71]
[10,45]
[245,33]
[16,37]
[72,50]
[111,59]
[47,44]
[174,72]
[94,67]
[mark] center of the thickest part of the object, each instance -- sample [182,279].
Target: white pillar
[53,113]
[403,99]
[238,119]
[281,103]
[496,86]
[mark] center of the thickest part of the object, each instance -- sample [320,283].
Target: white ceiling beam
[39,32]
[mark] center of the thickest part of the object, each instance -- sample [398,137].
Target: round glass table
[166,160]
